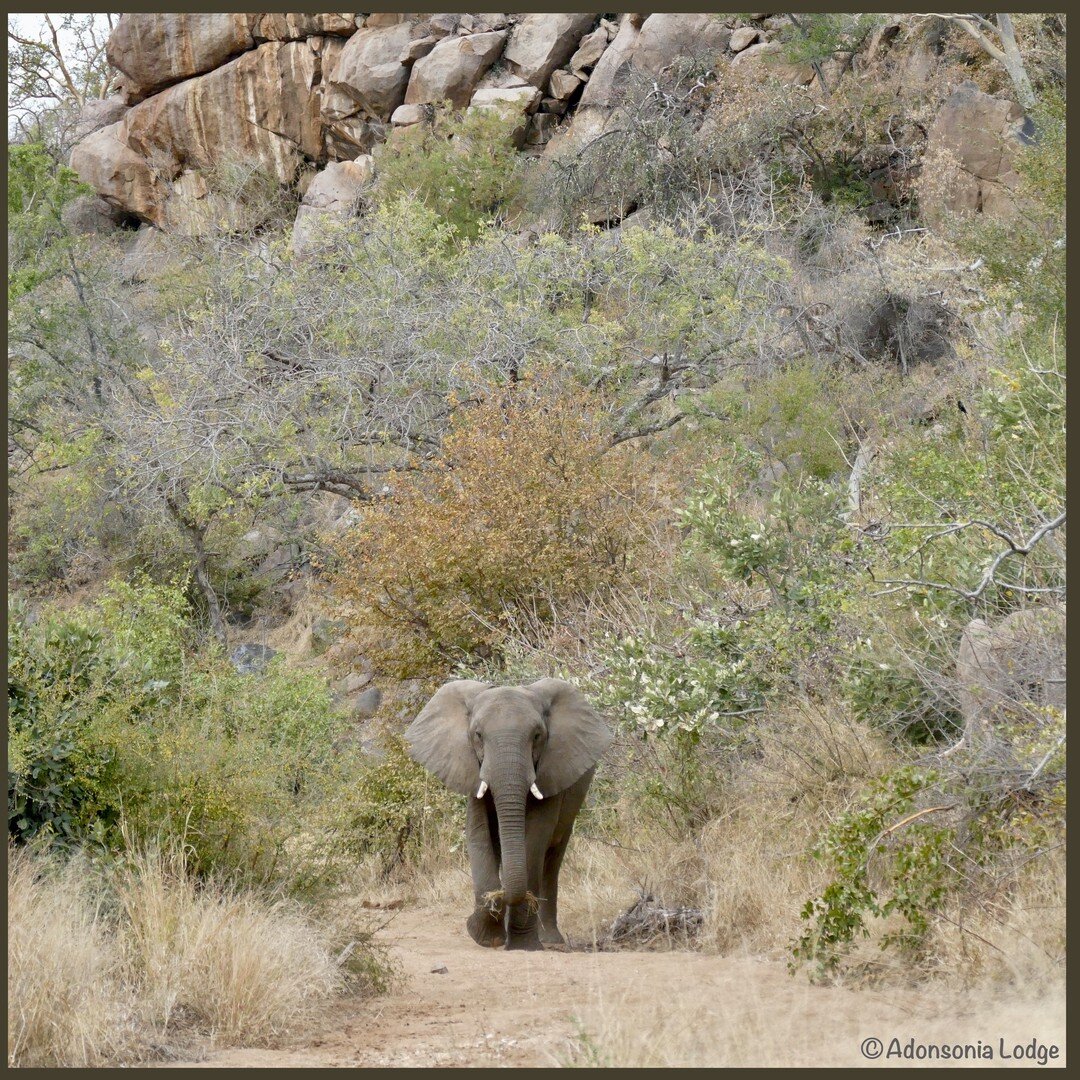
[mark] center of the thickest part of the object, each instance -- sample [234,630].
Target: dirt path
[546,1009]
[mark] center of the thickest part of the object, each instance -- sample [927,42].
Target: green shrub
[120,723]
[464,166]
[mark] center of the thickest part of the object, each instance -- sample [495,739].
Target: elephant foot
[551,936]
[526,944]
[485,930]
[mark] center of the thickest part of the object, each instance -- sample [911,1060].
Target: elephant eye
[536,736]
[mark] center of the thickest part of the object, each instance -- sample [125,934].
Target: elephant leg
[485,924]
[549,894]
[523,923]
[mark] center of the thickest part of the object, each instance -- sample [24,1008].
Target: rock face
[260,108]
[1010,670]
[157,50]
[601,87]
[979,137]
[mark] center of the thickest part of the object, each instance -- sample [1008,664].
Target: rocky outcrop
[971,154]
[286,92]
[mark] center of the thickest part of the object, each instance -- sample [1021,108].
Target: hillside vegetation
[731,418]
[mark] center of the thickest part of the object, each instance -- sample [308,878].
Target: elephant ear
[577,736]
[439,736]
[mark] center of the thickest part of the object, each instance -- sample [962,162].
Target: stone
[155,50]
[553,105]
[601,86]
[563,84]
[96,114]
[118,174]
[1012,669]
[419,47]
[367,703]
[443,25]
[769,55]
[743,38]
[338,186]
[386,18]
[525,99]
[589,51]
[369,75]
[354,682]
[976,137]
[347,139]
[331,198]
[407,115]
[541,43]
[453,68]
[91,214]
[251,659]
[665,37]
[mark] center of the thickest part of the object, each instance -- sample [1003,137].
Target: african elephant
[524,755]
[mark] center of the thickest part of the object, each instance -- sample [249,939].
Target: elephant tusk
[536,791]
[481,789]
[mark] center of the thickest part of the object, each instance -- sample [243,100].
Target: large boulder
[155,50]
[90,214]
[331,197]
[292,27]
[769,56]
[369,75]
[970,160]
[601,88]
[106,162]
[541,43]
[453,68]
[664,38]
[589,51]
[98,113]
[1010,672]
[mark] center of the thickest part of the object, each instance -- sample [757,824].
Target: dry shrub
[521,512]
[108,968]
[229,962]
[63,1008]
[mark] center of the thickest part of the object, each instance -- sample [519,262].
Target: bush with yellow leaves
[527,509]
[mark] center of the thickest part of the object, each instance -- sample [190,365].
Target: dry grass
[112,968]
[63,1009]
[751,1017]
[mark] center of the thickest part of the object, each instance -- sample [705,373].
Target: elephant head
[514,741]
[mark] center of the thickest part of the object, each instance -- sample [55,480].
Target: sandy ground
[493,1008]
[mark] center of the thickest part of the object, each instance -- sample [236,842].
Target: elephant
[524,756]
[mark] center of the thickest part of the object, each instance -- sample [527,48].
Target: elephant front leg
[485,924]
[522,920]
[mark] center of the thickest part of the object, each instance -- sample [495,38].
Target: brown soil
[495,1008]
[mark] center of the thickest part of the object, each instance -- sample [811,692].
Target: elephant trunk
[509,791]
